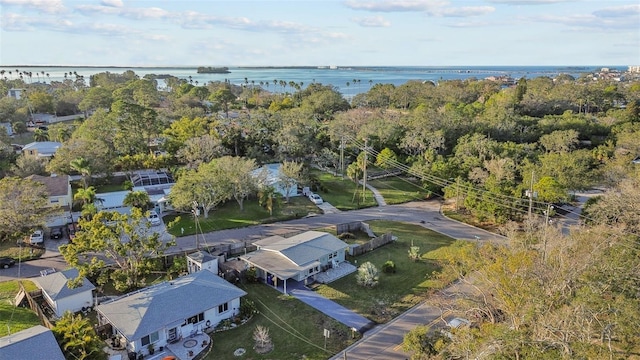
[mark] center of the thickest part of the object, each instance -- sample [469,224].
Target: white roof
[56,284]
[43,147]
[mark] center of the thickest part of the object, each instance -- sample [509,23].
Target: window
[222,308]
[195,319]
[311,271]
[330,256]
[335,254]
[55,201]
[150,339]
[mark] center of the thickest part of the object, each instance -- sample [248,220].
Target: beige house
[60,195]
[42,149]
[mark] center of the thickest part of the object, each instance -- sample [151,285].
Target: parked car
[6,262]
[56,233]
[316,199]
[153,218]
[37,237]
[72,228]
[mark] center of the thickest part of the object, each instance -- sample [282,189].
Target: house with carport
[169,311]
[62,295]
[300,258]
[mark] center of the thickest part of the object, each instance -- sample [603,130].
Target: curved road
[381,342]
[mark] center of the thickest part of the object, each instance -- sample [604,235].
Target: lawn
[397,190]
[14,319]
[229,216]
[295,328]
[340,192]
[395,293]
[25,252]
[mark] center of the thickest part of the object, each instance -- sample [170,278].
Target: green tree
[224,97]
[200,150]
[41,102]
[550,190]
[423,343]
[200,188]
[138,199]
[77,338]
[22,206]
[268,198]
[289,174]
[40,135]
[237,177]
[386,159]
[180,131]
[28,165]
[124,241]
[82,166]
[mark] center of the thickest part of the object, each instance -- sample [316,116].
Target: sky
[319,33]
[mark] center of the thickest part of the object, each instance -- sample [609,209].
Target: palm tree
[40,135]
[268,198]
[82,166]
[138,199]
[86,196]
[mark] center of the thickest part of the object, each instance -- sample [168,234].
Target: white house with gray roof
[60,296]
[36,342]
[168,311]
[300,258]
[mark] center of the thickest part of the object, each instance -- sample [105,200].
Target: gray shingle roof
[56,284]
[303,248]
[148,310]
[36,342]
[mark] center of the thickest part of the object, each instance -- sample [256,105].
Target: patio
[190,348]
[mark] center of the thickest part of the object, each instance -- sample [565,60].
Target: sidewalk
[376,194]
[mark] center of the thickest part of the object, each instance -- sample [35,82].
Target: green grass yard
[229,216]
[14,319]
[340,192]
[295,328]
[395,293]
[398,190]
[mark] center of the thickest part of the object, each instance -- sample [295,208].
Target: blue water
[364,77]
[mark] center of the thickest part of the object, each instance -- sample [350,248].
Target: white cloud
[619,11]
[372,21]
[113,3]
[464,11]
[126,12]
[15,22]
[394,5]
[529,2]
[432,8]
[47,6]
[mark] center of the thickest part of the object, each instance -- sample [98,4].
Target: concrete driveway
[333,309]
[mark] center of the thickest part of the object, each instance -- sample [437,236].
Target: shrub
[346,235]
[389,267]
[367,275]
[414,253]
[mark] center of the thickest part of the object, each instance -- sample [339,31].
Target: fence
[354,226]
[35,307]
[371,244]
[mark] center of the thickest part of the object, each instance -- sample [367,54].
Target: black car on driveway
[5,262]
[56,233]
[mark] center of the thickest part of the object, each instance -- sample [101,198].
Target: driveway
[333,309]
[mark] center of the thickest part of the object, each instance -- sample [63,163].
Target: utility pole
[546,224]
[457,192]
[531,194]
[342,157]
[364,175]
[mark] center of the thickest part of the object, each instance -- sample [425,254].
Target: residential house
[298,258]
[15,93]
[36,342]
[166,312]
[269,175]
[60,296]
[8,127]
[43,149]
[60,195]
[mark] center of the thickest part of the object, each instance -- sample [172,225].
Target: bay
[360,78]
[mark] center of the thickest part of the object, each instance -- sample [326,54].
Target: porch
[193,347]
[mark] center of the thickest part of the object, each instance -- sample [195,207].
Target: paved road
[425,213]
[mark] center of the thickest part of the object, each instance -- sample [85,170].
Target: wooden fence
[371,244]
[35,307]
